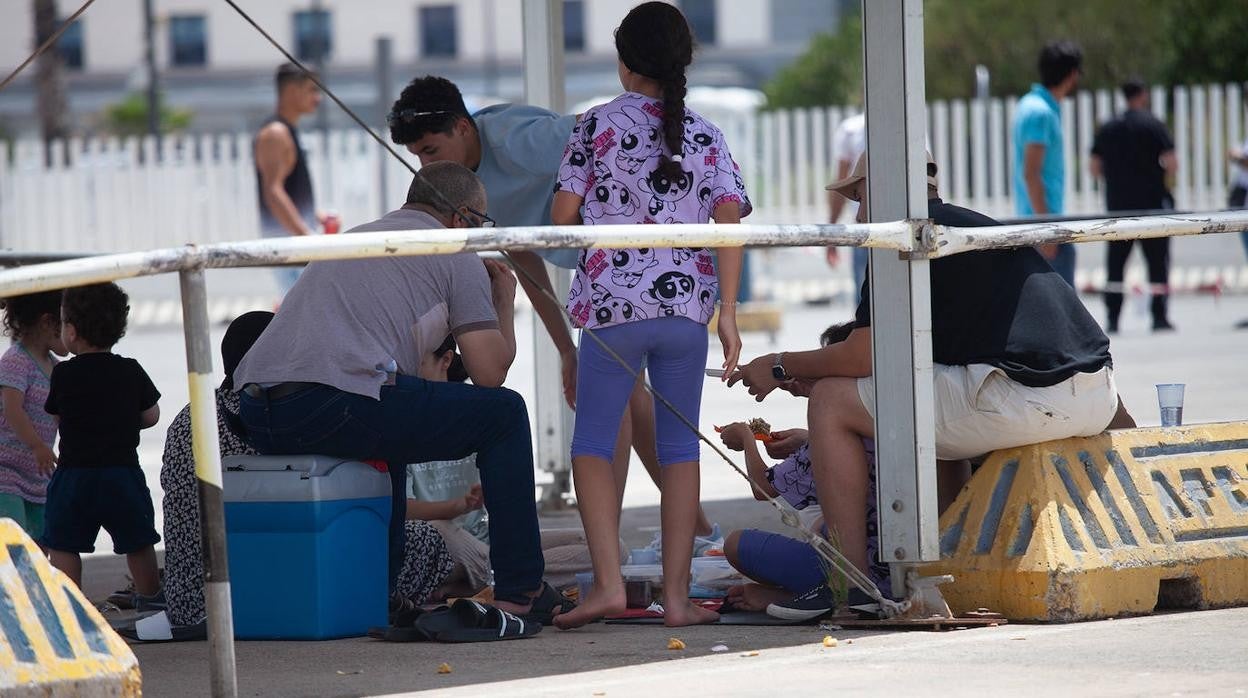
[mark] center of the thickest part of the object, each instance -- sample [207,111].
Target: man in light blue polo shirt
[1039,166]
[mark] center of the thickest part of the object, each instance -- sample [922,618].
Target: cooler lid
[311,466]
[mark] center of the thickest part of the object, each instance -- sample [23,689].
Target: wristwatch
[777,369]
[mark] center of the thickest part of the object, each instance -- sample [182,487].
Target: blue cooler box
[308,550]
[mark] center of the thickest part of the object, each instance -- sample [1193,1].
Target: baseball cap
[859,173]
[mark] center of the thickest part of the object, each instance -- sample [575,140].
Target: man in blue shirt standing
[1039,168]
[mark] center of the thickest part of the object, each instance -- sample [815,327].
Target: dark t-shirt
[1130,149]
[1005,308]
[98,398]
[298,186]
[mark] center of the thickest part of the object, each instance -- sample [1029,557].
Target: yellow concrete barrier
[1123,523]
[52,640]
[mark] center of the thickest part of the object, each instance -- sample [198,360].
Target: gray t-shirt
[347,323]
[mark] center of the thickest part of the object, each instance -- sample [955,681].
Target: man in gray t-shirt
[335,374]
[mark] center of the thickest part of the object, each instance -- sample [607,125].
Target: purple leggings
[675,353]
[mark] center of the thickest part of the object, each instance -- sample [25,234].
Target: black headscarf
[242,333]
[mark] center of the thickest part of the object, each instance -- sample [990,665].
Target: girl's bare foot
[686,613]
[599,603]
[756,597]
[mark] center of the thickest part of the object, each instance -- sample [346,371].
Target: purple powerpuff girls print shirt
[612,161]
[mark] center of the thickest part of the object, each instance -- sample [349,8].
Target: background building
[212,63]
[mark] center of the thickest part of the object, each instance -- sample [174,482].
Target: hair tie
[678,158]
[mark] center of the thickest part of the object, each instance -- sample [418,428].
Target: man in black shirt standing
[1017,360]
[1135,155]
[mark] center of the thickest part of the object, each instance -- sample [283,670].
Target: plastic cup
[1170,400]
[643,556]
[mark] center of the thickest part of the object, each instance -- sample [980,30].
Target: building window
[701,16]
[70,45]
[187,43]
[313,39]
[798,21]
[573,25]
[437,31]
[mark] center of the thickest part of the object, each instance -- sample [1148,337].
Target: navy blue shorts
[81,500]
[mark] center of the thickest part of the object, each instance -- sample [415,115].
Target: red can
[332,222]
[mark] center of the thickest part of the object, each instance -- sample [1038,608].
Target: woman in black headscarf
[427,563]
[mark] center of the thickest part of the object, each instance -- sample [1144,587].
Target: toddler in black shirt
[103,400]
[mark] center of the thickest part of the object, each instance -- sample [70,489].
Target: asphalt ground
[1181,654]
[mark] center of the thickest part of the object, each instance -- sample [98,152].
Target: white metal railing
[190,261]
[119,195]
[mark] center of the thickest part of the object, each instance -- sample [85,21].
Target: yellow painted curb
[52,640]
[1123,523]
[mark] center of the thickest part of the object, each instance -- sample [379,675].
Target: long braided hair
[654,40]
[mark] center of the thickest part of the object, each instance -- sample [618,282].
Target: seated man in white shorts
[1017,360]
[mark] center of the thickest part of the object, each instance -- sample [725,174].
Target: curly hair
[654,40]
[97,312]
[427,105]
[22,313]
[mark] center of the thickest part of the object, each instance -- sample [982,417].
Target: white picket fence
[116,195]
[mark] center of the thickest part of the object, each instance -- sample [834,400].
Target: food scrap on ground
[444,668]
[674,643]
[829,641]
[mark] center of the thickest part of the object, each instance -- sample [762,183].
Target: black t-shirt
[99,397]
[1130,149]
[1005,308]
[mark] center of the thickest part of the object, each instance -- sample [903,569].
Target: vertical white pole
[222,670]
[543,87]
[900,292]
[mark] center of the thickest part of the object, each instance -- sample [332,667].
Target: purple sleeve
[15,369]
[729,184]
[576,167]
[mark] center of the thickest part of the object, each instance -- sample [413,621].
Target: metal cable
[47,43]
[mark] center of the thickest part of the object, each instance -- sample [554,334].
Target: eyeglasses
[483,221]
[410,115]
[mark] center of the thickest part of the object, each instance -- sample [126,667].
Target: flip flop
[402,628]
[470,621]
[546,605]
[394,633]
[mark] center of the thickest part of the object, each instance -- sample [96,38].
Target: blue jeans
[416,421]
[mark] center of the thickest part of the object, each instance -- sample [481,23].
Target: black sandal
[471,621]
[546,605]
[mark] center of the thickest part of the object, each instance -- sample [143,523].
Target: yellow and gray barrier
[1123,523]
[52,640]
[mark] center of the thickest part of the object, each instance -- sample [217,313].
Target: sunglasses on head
[410,115]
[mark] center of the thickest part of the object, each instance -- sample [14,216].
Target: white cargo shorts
[980,409]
